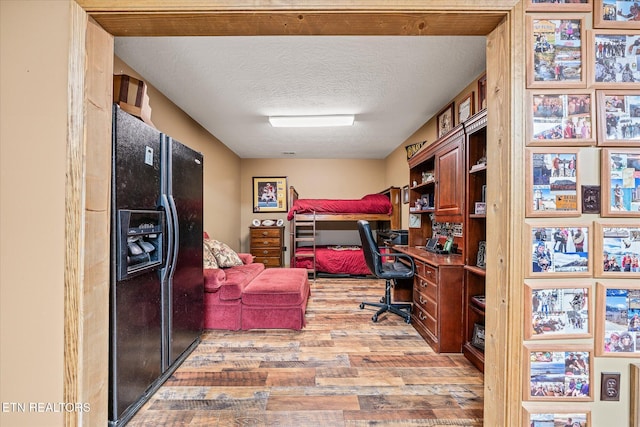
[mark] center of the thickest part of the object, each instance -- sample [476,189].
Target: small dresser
[267,245]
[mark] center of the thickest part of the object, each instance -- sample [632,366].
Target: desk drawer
[428,288]
[426,320]
[429,305]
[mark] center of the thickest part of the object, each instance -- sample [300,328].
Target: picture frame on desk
[558,372]
[558,310]
[613,68]
[555,51]
[620,182]
[477,337]
[561,117]
[480,208]
[480,257]
[619,117]
[560,250]
[617,319]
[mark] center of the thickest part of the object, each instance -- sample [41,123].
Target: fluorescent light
[311,121]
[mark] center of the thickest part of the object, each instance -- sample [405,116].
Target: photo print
[559,420]
[561,118]
[559,375]
[617,58]
[623,170]
[621,117]
[622,321]
[560,250]
[619,11]
[621,250]
[558,312]
[553,183]
[556,50]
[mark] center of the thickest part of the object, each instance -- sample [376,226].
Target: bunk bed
[381,209]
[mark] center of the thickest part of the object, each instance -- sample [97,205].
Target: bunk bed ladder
[305,231]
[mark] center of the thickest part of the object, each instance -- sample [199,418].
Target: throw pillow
[225,256]
[209,260]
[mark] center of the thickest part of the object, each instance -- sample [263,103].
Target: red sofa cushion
[237,279]
[277,287]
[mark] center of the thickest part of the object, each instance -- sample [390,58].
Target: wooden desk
[438,296]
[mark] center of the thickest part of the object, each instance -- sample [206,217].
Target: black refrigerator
[156,286]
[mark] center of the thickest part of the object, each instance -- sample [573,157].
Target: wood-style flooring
[340,370]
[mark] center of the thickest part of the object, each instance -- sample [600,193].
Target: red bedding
[369,204]
[335,260]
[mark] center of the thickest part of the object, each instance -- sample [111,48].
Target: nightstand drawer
[266,252]
[259,234]
[266,242]
[267,261]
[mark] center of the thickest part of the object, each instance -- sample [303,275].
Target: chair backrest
[370,248]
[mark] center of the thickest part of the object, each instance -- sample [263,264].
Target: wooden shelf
[478,216]
[474,355]
[476,270]
[478,169]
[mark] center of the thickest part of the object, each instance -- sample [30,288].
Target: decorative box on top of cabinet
[267,245]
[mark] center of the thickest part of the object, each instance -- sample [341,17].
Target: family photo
[617,58]
[561,117]
[622,321]
[560,250]
[559,374]
[557,50]
[559,312]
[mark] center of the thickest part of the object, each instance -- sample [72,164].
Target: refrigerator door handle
[168,265]
[176,235]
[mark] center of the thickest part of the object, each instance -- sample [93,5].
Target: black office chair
[390,271]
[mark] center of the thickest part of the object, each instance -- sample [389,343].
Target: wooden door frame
[496,19]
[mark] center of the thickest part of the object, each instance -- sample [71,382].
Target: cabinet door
[450,170]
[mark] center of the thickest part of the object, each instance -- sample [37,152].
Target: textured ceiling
[230,85]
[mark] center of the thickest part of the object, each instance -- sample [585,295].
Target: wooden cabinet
[475,232]
[437,299]
[436,184]
[267,245]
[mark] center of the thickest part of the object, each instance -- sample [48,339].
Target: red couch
[223,288]
[249,297]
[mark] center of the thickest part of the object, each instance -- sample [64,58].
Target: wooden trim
[501,20]
[74,214]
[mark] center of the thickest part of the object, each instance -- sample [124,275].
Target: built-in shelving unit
[475,236]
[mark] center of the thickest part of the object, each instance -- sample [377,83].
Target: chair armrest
[399,257]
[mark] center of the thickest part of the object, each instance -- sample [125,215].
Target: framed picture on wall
[269,194]
[445,120]
[613,58]
[620,169]
[555,51]
[466,108]
[558,5]
[618,319]
[619,117]
[617,250]
[552,182]
[616,14]
[558,372]
[564,416]
[559,250]
[557,310]
[482,92]
[561,117]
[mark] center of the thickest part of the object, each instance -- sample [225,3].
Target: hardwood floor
[340,370]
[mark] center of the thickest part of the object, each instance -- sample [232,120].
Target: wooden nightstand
[267,245]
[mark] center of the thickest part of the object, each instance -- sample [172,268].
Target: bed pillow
[225,256]
[208,258]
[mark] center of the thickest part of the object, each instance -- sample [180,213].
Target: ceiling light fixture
[312,121]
